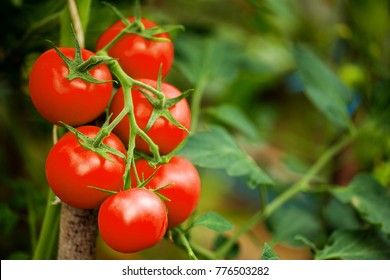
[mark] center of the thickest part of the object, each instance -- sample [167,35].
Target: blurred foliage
[272,74]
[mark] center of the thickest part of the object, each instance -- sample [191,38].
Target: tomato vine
[148,167]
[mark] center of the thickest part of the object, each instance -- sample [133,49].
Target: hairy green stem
[298,187]
[113,41]
[127,83]
[159,94]
[132,28]
[130,153]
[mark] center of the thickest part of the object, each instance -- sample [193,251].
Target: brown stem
[78,231]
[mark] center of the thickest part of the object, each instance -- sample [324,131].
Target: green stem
[130,160]
[48,235]
[263,196]
[133,27]
[186,244]
[201,251]
[127,83]
[166,158]
[313,171]
[196,101]
[201,85]
[116,39]
[298,187]
[159,94]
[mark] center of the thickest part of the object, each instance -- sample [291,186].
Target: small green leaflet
[268,254]
[354,245]
[213,221]
[323,87]
[370,199]
[215,148]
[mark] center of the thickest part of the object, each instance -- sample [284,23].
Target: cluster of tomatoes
[67,92]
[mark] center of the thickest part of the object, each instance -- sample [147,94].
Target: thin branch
[74,14]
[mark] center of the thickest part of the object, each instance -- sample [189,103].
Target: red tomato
[183,191]
[138,56]
[163,133]
[132,220]
[71,169]
[74,102]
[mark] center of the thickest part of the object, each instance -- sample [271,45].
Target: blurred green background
[240,53]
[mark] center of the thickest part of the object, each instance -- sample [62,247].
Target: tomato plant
[132,220]
[179,182]
[72,170]
[163,132]
[279,122]
[57,97]
[139,57]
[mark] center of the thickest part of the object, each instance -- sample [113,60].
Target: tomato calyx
[95,144]
[161,109]
[78,68]
[161,105]
[137,27]
[142,183]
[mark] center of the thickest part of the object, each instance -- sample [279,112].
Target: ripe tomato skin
[183,191]
[74,102]
[163,133]
[71,169]
[138,56]
[132,220]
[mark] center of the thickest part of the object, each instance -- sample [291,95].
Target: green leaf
[213,221]
[268,254]
[212,60]
[296,218]
[234,117]
[323,87]
[307,242]
[215,148]
[339,215]
[354,245]
[370,199]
